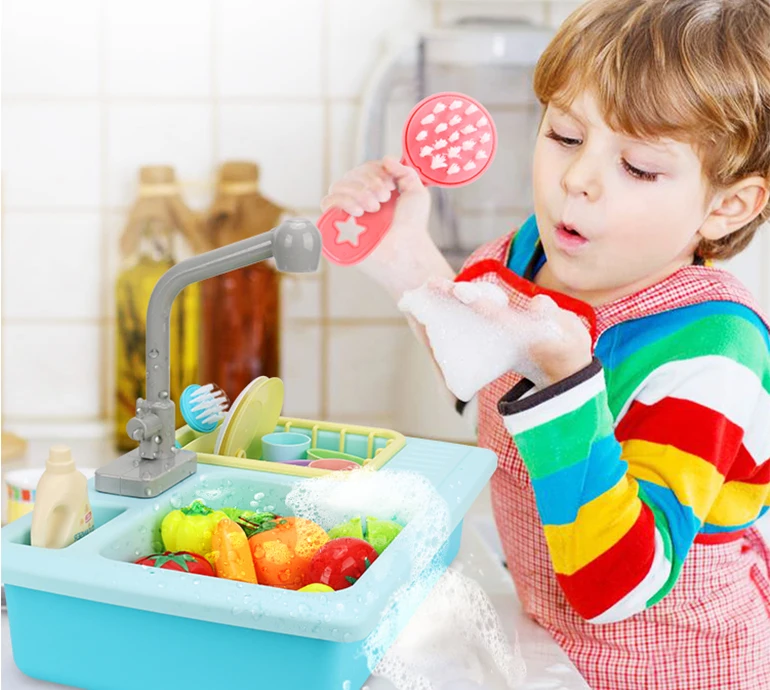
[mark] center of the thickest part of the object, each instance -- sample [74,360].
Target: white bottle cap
[60,459]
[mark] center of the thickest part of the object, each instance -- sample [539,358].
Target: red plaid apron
[713,629]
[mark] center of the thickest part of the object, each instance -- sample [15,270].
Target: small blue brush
[204,407]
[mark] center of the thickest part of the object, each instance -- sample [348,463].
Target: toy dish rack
[375,447]
[87,616]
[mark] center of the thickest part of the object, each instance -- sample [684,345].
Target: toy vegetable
[182,561]
[340,563]
[231,553]
[190,528]
[282,553]
[379,533]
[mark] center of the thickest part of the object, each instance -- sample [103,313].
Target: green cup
[323,454]
[283,446]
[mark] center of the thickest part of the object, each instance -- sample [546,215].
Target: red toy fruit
[341,562]
[182,561]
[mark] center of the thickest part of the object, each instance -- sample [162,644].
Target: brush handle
[348,240]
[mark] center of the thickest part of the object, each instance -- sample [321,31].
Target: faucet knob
[142,427]
[297,246]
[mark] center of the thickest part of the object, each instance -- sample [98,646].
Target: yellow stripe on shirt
[738,503]
[694,481]
[600,524]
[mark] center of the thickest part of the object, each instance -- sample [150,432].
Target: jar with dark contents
[241,309]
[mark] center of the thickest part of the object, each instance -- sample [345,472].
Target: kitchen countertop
[479,558]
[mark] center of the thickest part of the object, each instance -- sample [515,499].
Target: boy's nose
[582,178]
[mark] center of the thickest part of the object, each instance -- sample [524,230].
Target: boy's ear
[735,207]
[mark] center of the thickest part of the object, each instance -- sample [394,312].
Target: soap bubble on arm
[475,336]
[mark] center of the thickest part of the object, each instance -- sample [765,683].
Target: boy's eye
[639,174]
[566,141]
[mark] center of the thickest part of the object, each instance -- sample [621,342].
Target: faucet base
[130,475]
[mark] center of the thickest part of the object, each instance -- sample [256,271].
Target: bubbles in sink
[451,602]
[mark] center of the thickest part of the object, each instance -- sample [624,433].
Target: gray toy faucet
[157,465]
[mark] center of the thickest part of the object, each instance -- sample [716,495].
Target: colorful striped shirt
[665,437]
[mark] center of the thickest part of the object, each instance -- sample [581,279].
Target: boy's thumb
[405,177]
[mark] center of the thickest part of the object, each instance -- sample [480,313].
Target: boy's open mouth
[569,230]
[569,238]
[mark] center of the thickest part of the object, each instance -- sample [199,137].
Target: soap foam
[470,345]
[453,640]
[440,615]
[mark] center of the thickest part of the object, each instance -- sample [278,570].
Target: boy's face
[637,206]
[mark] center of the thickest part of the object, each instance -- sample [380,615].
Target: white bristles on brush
[204,407]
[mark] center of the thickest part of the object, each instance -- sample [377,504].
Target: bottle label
[86,524]
[82,534]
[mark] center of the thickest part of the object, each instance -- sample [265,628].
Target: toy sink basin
[86,616]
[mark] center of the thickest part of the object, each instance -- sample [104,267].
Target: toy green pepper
[191,528]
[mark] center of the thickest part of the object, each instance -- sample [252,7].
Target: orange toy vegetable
[283,549]
[231,553]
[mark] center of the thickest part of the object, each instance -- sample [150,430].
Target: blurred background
[136,133]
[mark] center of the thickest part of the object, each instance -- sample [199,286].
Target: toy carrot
[231,553]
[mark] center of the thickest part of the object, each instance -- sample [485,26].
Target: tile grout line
[106,355]
[2,291]
[215,89]
[324,277]
[155,99]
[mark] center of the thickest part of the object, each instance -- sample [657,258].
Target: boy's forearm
[408,267]
[606,549]
[409,270]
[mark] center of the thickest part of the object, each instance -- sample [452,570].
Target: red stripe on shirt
[686,425]
[745,469]
[604,581]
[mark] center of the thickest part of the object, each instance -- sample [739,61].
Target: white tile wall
[365,374]
[354,296]
[58,270]
[301,369]
[287,140]
[359,35]
[93,89]
[55,43]
[52,372]
[51,154]
[158,49]
[263,48]
[178,134]
[345,117]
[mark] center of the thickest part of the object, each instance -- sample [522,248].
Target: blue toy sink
[86,616]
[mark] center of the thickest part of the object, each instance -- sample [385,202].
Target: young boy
[631,474]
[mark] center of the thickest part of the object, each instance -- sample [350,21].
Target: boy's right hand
[365,188]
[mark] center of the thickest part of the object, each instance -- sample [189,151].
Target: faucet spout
[296,246]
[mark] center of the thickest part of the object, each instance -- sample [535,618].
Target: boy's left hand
[562,347]
[557,342]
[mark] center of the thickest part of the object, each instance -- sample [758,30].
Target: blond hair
[691,70]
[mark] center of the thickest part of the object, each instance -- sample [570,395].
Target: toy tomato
[282,551]
[183,561]
[341,562]
[191,528]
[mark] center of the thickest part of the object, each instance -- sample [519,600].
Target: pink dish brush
[449,139]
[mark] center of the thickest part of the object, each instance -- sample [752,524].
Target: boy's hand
[365,188]
[557,342]
[562,346]
[406,257]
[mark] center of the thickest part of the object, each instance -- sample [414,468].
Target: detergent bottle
[62,512]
